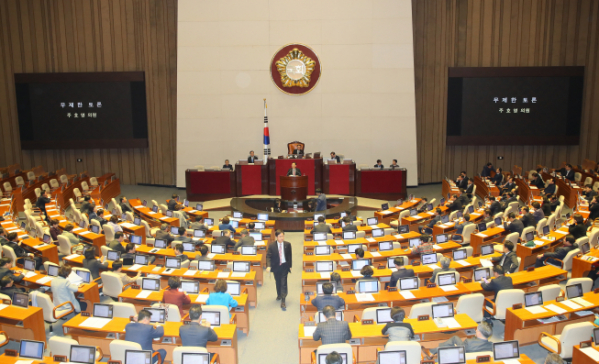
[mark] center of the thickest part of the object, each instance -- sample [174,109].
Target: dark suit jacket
[550,189]
[538,182]
[353,227]
[16,278]
[515,227]
[509,186]
[94,216]
[528,220]
[171,204]
[142,334]
[20,252]
[41,203]
[497,284]
[594,211]
[252,159]
[298,151]
[487,171]
[510,263]
[561,252]
[495,208]
[497,179]
[321,301]
[10,291]
[470,188]
[94,266]
[245,241]
[272,255]
[589,195]
[297,172]
[569,175]
[578,230]
[377,166]
[85,207]
[321,228]
[455,206]
[164,235]
[401,273]
[463,183]
[538,215]
[125,208]
[195,334]
[224,240]
[332,332]
[116,245]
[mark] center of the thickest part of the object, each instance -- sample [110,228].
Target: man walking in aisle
[279,257]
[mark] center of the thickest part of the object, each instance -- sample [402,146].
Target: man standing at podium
[294,171]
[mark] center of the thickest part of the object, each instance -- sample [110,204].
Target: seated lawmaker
[498,177]
[379,164]
[20,252]
[7,287]
[124,206]
[487,169]
[245,240]
[480,342]
[469,187]
[495,206]
[252,158]
[227,165]
[537,181]
[594,209]
[568,172]
[445,262]
[335,157]
[589,193]
[198,332]
[578,229]
[299,150]
[294,171]
[142,331]
[398,330]
[394,164]
[349,226]
[332,331]
[328,299]
[174,201]
[225,225]
[550,189]
[402,272]
[559,253]
[508,260]
[514,225]
[527,218]
[322,227]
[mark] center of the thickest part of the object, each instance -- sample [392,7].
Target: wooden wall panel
[94,36]
[499,33]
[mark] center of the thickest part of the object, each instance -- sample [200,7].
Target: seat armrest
[427,353]
[128,285]
[99,349]
[233,319]
[486,308]
[215,359]
[559,345]
[559,260]
[159,357]
[64,314]
[356,318]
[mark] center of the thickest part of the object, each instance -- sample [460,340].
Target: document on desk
[30,274]
[592,352]
[556,309]
[3,306]
[436,247]
[462,262]
[202,297]
[72,256]
[356,273]
[322,242]
[538,242]
[325,275]
[95,322]
[433,266]
[190,272]
[448,288]
[40,246]
[24,362]
[451,322]
[386,212]
[407,295]
[535,310]
[346,256]
[371,240]
[486,263]
[222,275]
[85,233]
[135,267]
[77,229]
[440,299]
[481,235]
[309,331]
[139,207]
[211,255]
[238,275]
[339,242]
[144,294]
[397,236]
[128,225]
[45,280]
[561,232]
[375,254]
[582,302]
[364,297]
[573,305]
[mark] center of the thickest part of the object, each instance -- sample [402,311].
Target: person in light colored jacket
[64,291]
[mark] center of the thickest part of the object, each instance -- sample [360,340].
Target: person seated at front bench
[322,227]
[172,295]
[198,225]
[221,297]
[487,170]
[54,231]
[331,331]
[537,181]
[454,204]
[550,189]
[245,240]
[198,332]
[15,244]
[86,205]
[183,238]
[69,235]
[124,206]
[394,164]
[445,262]
[64,291]
[227,165]
[426,247]
[527,218]
[559,253]
[92,264]
[480,342]
[508,260]
[496,180]
[114,224]
[203,253]
[578,229]
[97,215]
[116,244]
[515,225]
[469,187]
[398,330]
[349,226]
[328,299]
[173,202]
[336,278]
[117,268]
[5,270]
[143,332]
[178,248]
[433,221]
[402,272]
[225,239]
[225,225]
[335,157]
[7,287]
[164,233]
[379,164]
[499,283]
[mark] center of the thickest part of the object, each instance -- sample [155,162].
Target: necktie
[280,253]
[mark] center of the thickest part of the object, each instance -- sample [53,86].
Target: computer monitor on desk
[392,357]
[486,249]
[319,287]
[349,235]
[102,310]
[322,250]
[324,266]
[195,358]
[383,315]
[158,314]
[368,286]
[451,355]
[213,318]
[481,273]
[430,258]
[407,284]
[460,254]
[377,233]
[415,242]
[358,264]
[574,291]
[82,354]
[403,229]
[138,356]
[533,299]
[32,349]
[385,246]
[190,287]
[506,350]
[319,236]
[338,316]
[443,310]
[446,279]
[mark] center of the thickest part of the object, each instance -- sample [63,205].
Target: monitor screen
[482,227]
[234,224]
[372,221]
[376,233]
[338,316]
[234,288]
[444,219]
[102,310]
[403,229]
[141,259]
[160,243]
[249,250]
[241,267]
[460,214]
[486,249]
[262,217]
[451,355]
[319,287]
[385,206]
[322,250]
[169,213]
[150,284]
[188,247]
[392,357]
[218,249]
[446,279]
[471,209]
[28,264]
[85,275]
[175,230]
[259,225]
[545,230]
[443,310]
[95,229]
[460,254]
[199,233]
[482,273]
[498,221]
[155,208]
[257,236]
[47,238]
[195,358]
[351,248]
[138,357]
[368,285]
[192,287]
[209,221]
[596,336]
[442,238]
[319,236]
[529,236]
[137,221]
[135,239]
[383,315]
[506,350]
[206,265]
[428,258]
[585,248]
[53,270]
[359,263]
[533,299]
[391,262]
[83,354]
[316,216]
[158,314]
[574,290]
[349,235]
[406,284]
[237,214]
[213,317]
[324,266]
[32,349]
[172,262]
[199,207]
[322,358]
[415,242]
[20,299]
[385,246]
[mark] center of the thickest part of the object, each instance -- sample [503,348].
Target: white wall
[363,106]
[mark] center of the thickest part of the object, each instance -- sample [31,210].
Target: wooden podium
[294,188]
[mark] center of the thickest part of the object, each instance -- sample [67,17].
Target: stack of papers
[538,242]
[407,295]
[592,352]
[433,266]
[462,262]
[44,280]
[73,256]
[30,274]
[436,247]
[582,302]
[450,322]
[339,242]
[95,322]
[259,243]
[346,256]
[128,225]
[386,212]
[449,288]
[144,294]
[135,267]
[85,232]
[375,254]
[202,298]
[211,255]
[440,299]
[555,309]
[486,263]
[573,305]
[322,242]
[192,211]
[364,297]
[3,306]
[237,274]
[549,320]
[583,313]
[222,275]
[355,273]
[371,240]
[309,331]
[535,310]
[397,236]
[190,272]
[139,207]
[325,275]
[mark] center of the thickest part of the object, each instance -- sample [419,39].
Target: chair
[452,216]
[54,183]
[85,187]
[5,297]
[60,345]
[340,348]
[105,249]
[224,312]
[46,187]
[77,193]
[540,225]
[587,283]
[419,309]
[571,335]
[118,348]
[467,232]
[64,245]
[48,263]
[567,262]
[163,208]
[577,177]
[505,299]
[172,311]
[412,348]
[389,231]
[526,230]
[362,166]
[52,313]
[149,231]
[64,179]
[7,187]
[551,222]
[38,192]
[93,181]
[108,233]
[122,309]
[359,234]
[550,292]
[178,353]
[19,181]
[113,286]
[9,252]
[596,186]
[3,338]
[471,304]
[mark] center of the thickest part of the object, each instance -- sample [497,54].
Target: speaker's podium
[293,188]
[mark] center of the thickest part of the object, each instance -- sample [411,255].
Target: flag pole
[266,135]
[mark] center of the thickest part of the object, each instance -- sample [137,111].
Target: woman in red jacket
[174,296]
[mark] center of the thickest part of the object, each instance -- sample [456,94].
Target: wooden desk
[210,185]
[251,179]
[23,323]
[487,237]
[529,254]
[47,252]
[570,193]
[483,189]
[116,326]
[371,337]
[580,357]
[527,281]
[153,218]
[13,360]
[523,326]
[581,266]
[418,220]
[526,191]
[312,168]
[447,188]
[241,312]
[106,192]
[339,179]
[338,231]
[369,242]
[393,212]
[387,184]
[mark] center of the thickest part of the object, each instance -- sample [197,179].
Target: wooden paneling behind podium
[489,33]
[94,36]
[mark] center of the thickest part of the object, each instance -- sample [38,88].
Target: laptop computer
[443,310]
[249,250]
[199,207]
[135,239]
[209,221]
[430,258]
[257,236]
[48,239]
[533,299]
[102,310]
[481,273]
[407,284]
[338,316]
[85,275]
[138,357]
[486,249]
[188,247]
[82,354]
[29,264]
[372,221]
[413,212]
[20,300]
[385,206]
[451,355]
[171,264]
[95,229]
[574,291]
[218,249]
[31,349]
[199,234]
[414,242]
[481,227]
[322,250]
[141,259]
[175,230]
[392,357]
[53,270]
[262,217]
[444,219]
[506,350]
[259,225]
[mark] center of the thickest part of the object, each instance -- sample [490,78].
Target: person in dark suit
[546,207]
[537,181]
[527,218]
[578,229]
[3,239]
[593,209]
[495,206]
[164,233]
[129,251]
[509,186]
[124,206]
[550,189]
[466,222]
[559,253]
[7,287]
[538,214]
[553,202]
[252,158]
[352,217]
[487,170]
[470,187]
[335,157]
[197,225]
[98,217]
[434,220]
[182,238]
[277,207]
[505,202]
[498,178]
[589,193]
[349,226]
[402,272]
[178,249]
[299,150]
[569,172]
[15,244]
[116,244]
[173,202]
[5,270]
[514,225]
[245,240]
[328,299]
[198,332]
[331,331]
[225,239]
[280,259]
[394,164]
[500,282]
[487,216]
[322,227]
[321,201]
[480,342]
[85,205]
[294,171]
[92,264]
[227,165]
[143,332]
[423,205]
[444,262]
[454,204]
[508,260]
[42,201]
[379,164]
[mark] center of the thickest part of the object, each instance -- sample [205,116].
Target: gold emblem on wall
[295,69]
